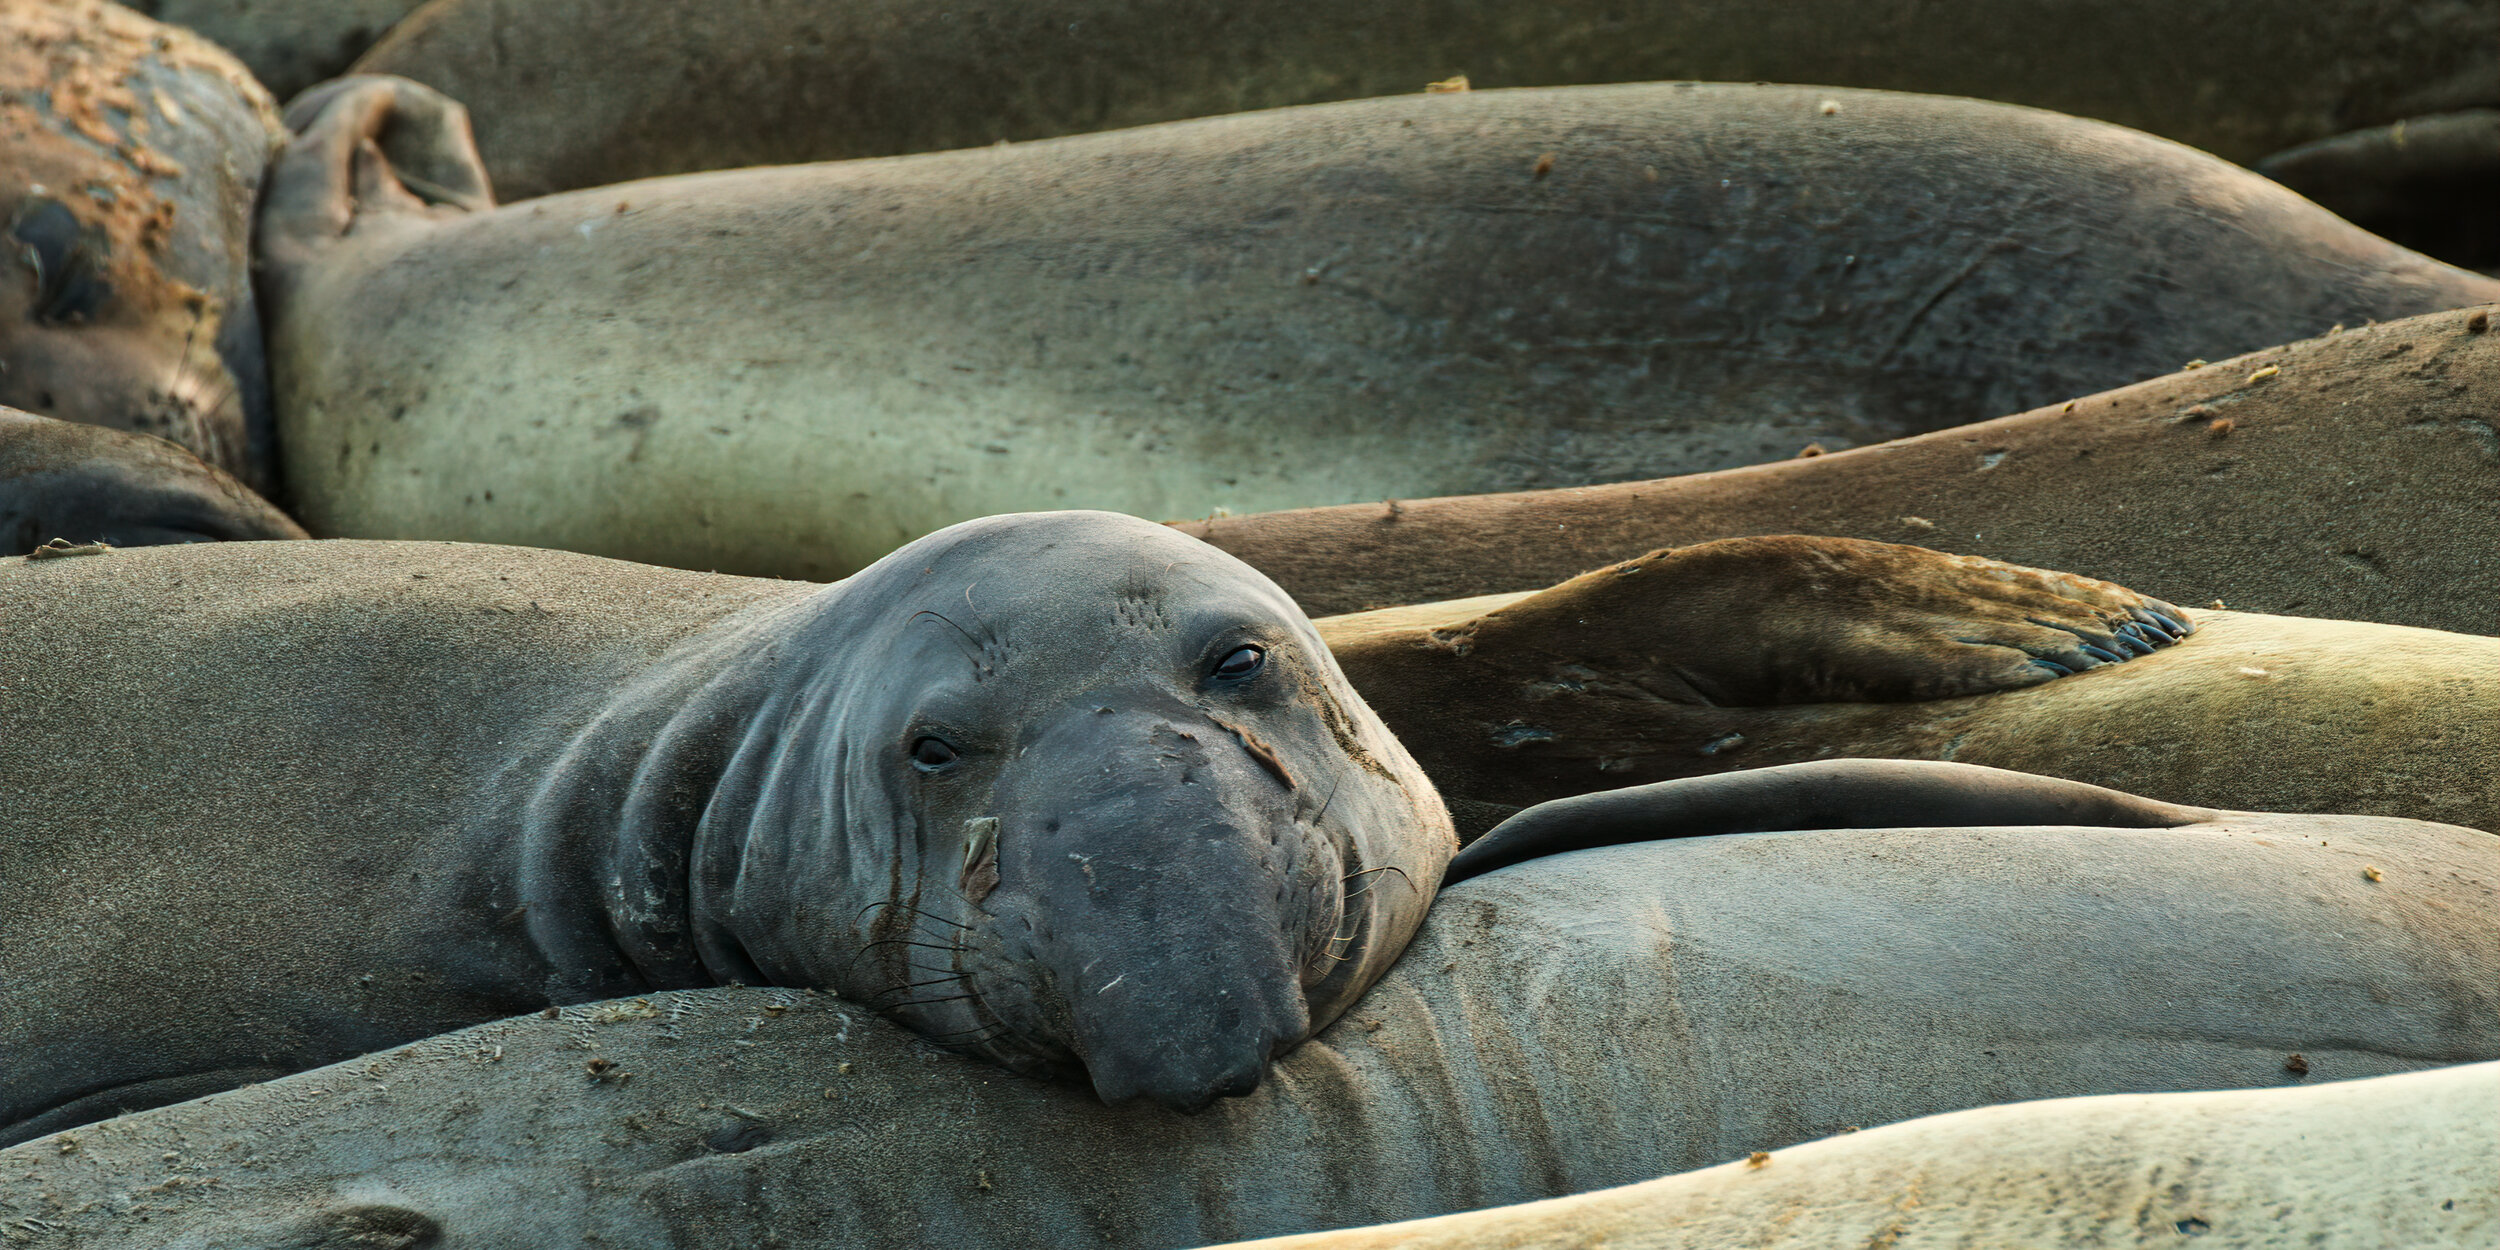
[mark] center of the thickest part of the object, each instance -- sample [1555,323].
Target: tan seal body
[574,93]
[2395,1161]
[2350,476]
[1569,1024]
[792,370]
[1511,700]
[134,154]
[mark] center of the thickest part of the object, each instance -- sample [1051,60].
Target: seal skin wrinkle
[791,371]
[1069,791]
[1124,821]
[1072,792]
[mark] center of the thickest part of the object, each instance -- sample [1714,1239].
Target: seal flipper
[364,147]
[1827,794]
[1789,619]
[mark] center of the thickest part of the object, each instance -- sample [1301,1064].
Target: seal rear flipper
[1831,794]
[1789,619]
[363,147]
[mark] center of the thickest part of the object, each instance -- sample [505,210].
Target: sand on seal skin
[2393,1161]
[1568,1024]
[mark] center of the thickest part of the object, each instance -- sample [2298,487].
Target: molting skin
[134,153]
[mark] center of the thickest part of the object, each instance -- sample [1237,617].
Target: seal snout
[1179,888]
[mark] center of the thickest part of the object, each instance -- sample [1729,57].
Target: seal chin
[1187,1084]
[1192,1040]
[1155,887]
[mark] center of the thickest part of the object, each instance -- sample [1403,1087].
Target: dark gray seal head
[133,157]
[1068,790]
[83,484]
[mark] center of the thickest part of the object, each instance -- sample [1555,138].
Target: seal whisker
[980,652]
[928,1002]
[909,908]
[1322,813]
[915,985]
[1410,884]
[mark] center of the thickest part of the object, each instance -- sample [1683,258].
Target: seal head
[1068,790]
[133,157]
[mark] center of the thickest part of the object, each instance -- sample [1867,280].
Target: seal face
[1067,790]
[133,157]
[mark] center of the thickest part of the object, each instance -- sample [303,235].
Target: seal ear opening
[1826,794]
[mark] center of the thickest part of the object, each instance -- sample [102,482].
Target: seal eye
[930,755]
[1242,664]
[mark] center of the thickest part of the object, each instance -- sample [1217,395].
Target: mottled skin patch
[133,155]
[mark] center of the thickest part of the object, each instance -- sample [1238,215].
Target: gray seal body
[1068,791]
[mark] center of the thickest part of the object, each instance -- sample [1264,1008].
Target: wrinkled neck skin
[1159,884]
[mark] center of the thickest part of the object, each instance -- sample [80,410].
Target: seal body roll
[84,484]
[1581,1021]
[793,370]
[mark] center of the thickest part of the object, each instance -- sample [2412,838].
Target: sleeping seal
[83,484]
[1619,677]
[133,157]
[2403,1160]
[1061,790]
[794,370]
[1575,1022]
[2350,475]
[574,93]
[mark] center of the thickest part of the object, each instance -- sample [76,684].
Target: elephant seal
[1595,684]
[794,370]
[2395,1160]
[1069,791]
[1568,1024]
[2344,476]
[577,93]
[134,156]
[82,484]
